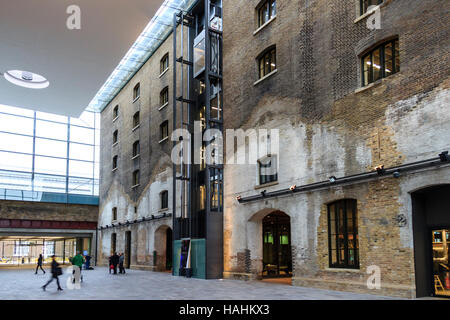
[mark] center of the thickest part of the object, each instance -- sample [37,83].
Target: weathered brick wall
[329,125]
[47,211]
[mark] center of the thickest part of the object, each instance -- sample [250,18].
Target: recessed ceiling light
[26,79]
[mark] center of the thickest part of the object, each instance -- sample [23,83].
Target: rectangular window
[164,200]
[343,246]
[16,124]
[46,129]
[267,169]
[16,143]
[114,213]
[365,4]
[164,64]
[380,62]
[267,62]
[164,96]
[266,11]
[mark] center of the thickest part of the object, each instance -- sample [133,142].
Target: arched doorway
[276,243]
[163,248]
[431,230]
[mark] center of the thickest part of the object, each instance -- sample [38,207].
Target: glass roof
[156,31]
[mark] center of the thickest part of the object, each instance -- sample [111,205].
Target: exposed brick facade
[329,125]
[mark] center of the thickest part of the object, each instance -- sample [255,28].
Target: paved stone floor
[143,285]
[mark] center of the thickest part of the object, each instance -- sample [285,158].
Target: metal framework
[22,184]
[197,219]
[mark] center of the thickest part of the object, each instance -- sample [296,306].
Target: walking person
[78,261]
[56,271]
[115,261]
[39,264]
[121,260]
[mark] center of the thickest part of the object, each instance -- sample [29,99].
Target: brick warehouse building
[345,98]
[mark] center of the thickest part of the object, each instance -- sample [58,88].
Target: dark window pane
[376,64]
[388,60]
[366,70]
[397,56]
[273,8]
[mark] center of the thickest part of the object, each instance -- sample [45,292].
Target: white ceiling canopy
[41,40]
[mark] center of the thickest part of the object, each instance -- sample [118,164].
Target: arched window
[164,96]
[136,177]
[115,136]
[267,62]
[136,119]
[114,162]
[136,148]
[136,91]
[164,64]
[267,9]
[343,246]
[164,130]
[380,62]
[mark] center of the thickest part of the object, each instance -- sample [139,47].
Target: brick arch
[253,261]
[160,238]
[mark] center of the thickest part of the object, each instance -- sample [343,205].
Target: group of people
[77,261]
[117,260]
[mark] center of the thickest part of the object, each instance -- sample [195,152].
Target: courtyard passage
[23,284]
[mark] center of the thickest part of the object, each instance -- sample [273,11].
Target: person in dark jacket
[121,260]
[115,261]
[39,264]
[55,273]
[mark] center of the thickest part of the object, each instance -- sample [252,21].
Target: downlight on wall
[26,79]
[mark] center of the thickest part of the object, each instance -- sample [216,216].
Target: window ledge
[368,13]
[265,77]
[264,25]
[370,85]
[136,99]
[115,119]
[163,209]
[114,169]
[269,184]
[135,186]
[162,140]
[163,73]
[163,106]
[342,270]
[136,127]
[115,144]
[136,156]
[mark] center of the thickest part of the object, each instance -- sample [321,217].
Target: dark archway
[431,219]
[277,255]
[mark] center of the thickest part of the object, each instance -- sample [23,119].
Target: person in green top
[78,261]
